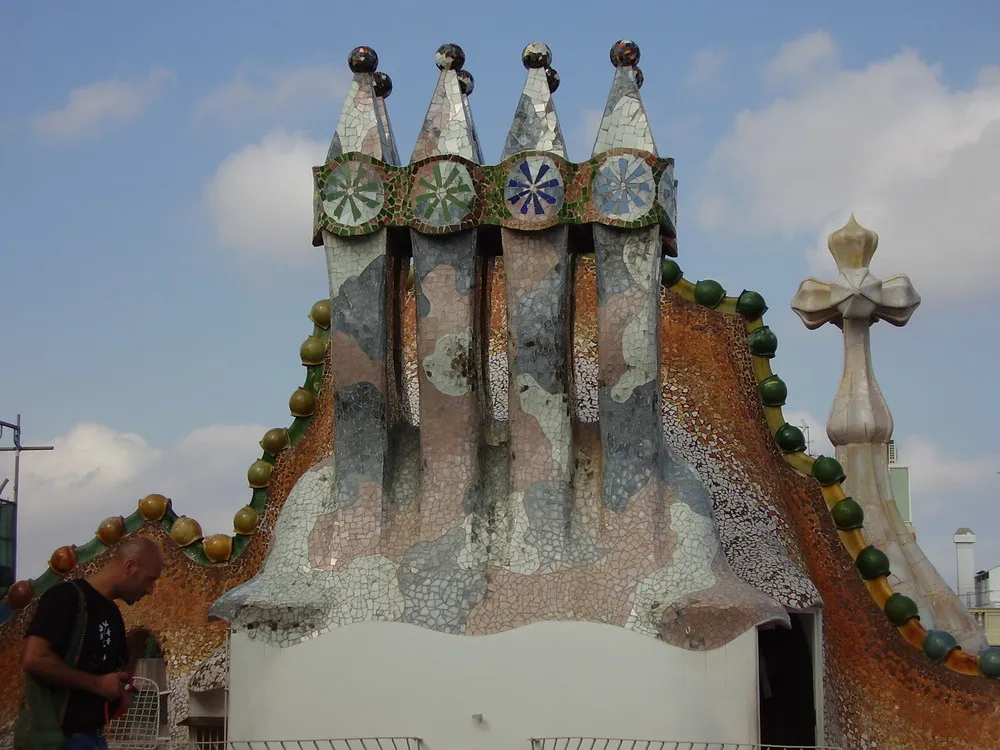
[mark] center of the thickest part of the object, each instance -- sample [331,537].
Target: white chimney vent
[966,589]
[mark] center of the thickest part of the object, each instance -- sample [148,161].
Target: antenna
[805,433]
[8,508]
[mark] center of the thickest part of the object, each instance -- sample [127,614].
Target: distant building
[985,605]
[980,592]
[8,547]
[899,480]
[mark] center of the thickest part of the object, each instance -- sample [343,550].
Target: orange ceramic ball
[185,531]
[63,560]
[259,473]
[20,594]
[153,507]
[302,403]
[111,530]
[275,440]
[312,351]
[320,313]
[245,520]
[218,547]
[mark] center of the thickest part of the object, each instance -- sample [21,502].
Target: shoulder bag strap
[79,629]
[75,646]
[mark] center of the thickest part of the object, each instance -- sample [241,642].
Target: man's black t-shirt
[104,648]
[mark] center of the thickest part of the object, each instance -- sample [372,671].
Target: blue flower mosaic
[624,188]
[535,189]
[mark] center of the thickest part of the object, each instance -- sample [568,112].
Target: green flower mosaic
[443,194]
[353,194]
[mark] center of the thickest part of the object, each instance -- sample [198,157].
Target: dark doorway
[787,699]
[148,663]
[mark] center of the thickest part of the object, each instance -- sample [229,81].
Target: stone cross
[853,302]
[860,424]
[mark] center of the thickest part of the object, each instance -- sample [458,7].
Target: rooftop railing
[352,743]
[618,743]
[416,743]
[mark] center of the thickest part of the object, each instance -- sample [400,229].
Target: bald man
[75,666]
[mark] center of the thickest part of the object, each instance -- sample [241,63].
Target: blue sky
[156,262]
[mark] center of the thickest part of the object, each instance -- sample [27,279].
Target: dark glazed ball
[625,52]
[363,60]
[383,85]
[466,82]
[449,57]
[639,78]
[536,55]
[553,78]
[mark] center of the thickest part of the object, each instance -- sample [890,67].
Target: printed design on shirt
[104,638]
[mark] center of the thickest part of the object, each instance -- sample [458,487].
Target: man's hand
[42,664]
[127,697]
[110,686]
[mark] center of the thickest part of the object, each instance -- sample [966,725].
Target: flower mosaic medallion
[666,194]
[624,188]
[535,189]
[443,193]
[353,194]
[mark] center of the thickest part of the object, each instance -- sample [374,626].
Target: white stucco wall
[211,703]
[545,680]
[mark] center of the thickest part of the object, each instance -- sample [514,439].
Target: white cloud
[101,105]
[949,492]
[801,59]
[706,69]
[95,472]
[275,92]
[260,199]
[940,474]
[914,159]
[989,76]
[93,457]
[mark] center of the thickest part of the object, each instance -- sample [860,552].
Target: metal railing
[980,599]
[617,743]
[353,743]
[416,743]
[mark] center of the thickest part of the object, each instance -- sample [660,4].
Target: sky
[156,268]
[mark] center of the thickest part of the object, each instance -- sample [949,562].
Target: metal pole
[17,464]
[805,433]
[16,429]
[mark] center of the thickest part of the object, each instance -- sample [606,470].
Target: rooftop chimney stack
[964,539]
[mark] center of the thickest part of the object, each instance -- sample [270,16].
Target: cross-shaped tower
[860,424]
